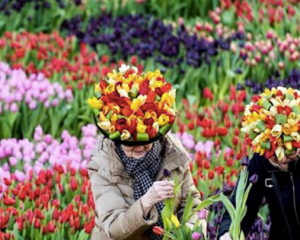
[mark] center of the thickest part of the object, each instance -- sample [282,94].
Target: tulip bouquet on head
[271,122]
[131,106]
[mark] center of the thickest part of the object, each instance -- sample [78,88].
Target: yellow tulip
[116,108]
[110,88]
[125,135]
[290,91]
[135,105]
[125,86]
[97,88]
[95,103]
[276,101]
[163,119]
[172,94]
[288,129]
[142,98]
[149,75]
[105,109]
[175,221]
[279,153]
[114,77]
[259,150]
[276,131]
[141,128]
[131,119]
[258,139]
[122,92]
[171,111]
[279,142]
[156,84]
[102,117]
[296,136]
[268,92]
[136,79]
[151,114]
[165,99]
[114,118]
[105,125]
[247,127]
[288,145]
[266,135]
[273,110]
[155,126]
[112,129]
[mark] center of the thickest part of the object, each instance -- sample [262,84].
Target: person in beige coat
[118,215]
[134,111]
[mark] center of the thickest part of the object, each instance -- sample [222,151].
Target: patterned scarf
[144,171]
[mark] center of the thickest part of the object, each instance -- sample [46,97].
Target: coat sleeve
[119,220]
[253,202]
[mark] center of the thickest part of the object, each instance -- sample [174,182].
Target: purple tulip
[245,161]
[202,214]
[196,236]
[253,179]
[166,173]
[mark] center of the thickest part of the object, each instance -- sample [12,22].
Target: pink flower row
[16,87]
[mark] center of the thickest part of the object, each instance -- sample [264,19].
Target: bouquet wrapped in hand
[271,122]
[133,107]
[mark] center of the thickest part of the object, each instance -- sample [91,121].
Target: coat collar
[173,155]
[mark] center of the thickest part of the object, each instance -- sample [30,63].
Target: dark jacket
[289,185]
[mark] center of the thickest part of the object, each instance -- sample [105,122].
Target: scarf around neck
[144,171]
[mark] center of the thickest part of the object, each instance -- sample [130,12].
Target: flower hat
[132,107]
[271,122]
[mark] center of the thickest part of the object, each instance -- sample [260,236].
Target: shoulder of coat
[100,156]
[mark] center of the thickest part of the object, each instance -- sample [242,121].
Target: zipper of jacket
[294,198]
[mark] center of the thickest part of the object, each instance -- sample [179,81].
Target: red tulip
[235,141]
[37,223]
[191,126]
[207,94]
[195,181]
[158,230]
[211,175]
[206,164]
[7,181]
[55,215]
[51,227]
[8,201]
[4,222]
[73,184]
[222,131]
[229,162]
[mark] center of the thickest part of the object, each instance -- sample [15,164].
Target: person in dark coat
[287,175]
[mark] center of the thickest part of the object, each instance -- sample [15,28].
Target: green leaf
[188,208]
[206,203]
[229,206]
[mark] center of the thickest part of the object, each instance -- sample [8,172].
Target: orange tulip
[158,230]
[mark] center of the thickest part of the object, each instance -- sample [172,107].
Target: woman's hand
[226,236]
[283,163]
[158,192]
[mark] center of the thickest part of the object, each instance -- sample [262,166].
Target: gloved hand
[226,236]
[158,192]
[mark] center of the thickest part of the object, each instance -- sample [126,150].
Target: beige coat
[118,215]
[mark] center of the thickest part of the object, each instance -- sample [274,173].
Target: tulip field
[217,54]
